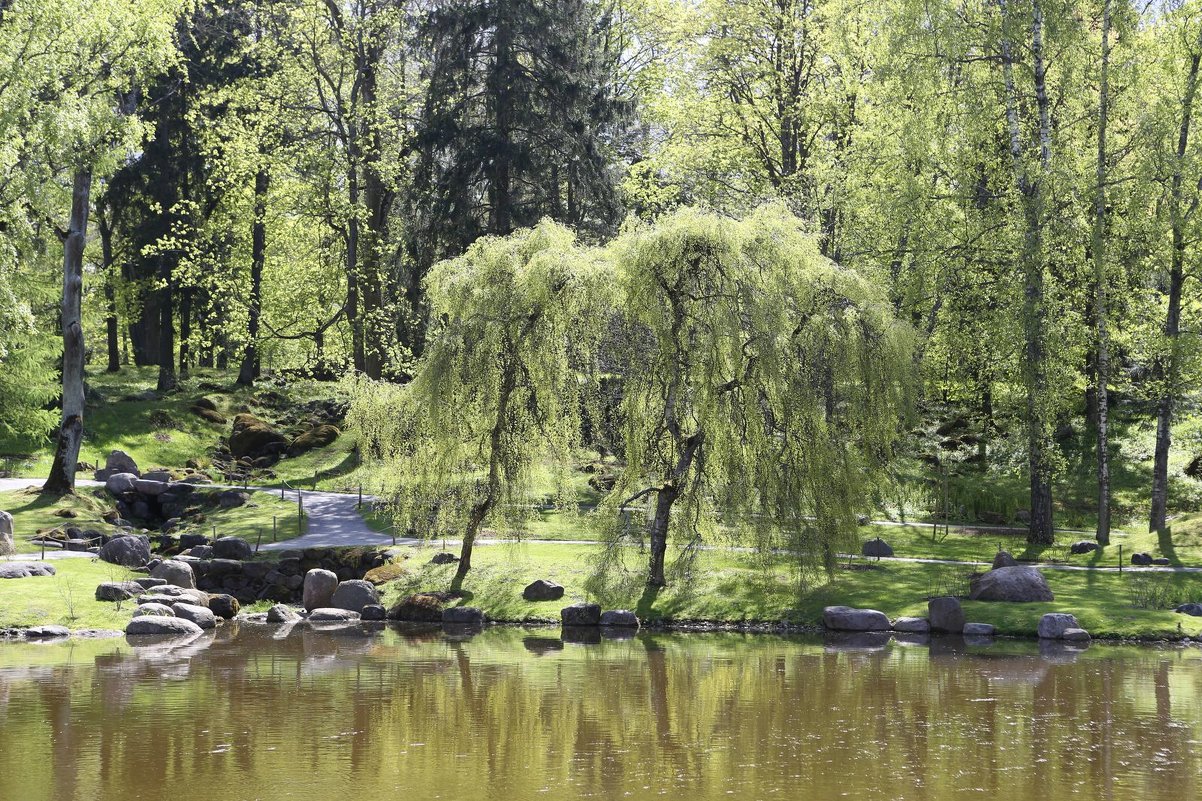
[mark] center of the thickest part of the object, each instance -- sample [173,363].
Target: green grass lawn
[67,598]
[731,587]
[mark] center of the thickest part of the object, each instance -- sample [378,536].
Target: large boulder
[1020,584]
[581,614]
[1194,610]
[912,625]
[354,595]
[150,487]
[1053,625]
[979,630]
[1004,559]
[1083,546]
[463,616]
[945,614]
[373,612]
[121,462]
[7,546]
[200,615]
[876,547]
[17,570]
[175,573]
[845,618]
[1141,558]
[621,618]
[1075,635]
[316,437]
[542,590]
[318,589]
[332,615]
[170,594]
[120,483]
[118,590]
[232,548]
[423,607]
[252,437]
[155,610]
[281,614]
[161,626]
[129,551]
[224,606]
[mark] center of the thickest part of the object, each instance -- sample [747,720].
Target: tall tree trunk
[377,201]
[258,255]
[1101,309]
[167,380]
[112,340]
[70,434]
[665,497]
[185,330]
[500,83]
[1032,190]
[1166,366]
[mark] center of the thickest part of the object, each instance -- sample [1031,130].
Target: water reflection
[259,712]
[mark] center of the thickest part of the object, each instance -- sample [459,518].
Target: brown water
[513,714]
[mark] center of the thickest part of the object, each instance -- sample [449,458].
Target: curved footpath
[334,522]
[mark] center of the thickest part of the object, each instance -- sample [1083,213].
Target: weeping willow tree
[763,384]
[501,391]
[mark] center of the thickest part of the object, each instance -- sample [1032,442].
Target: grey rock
[149,487]
[912,625]
[623,618]
[354,595]
[232,499]
[979,629]
[845,618]
[176,573]
[946,615]
[192,540]
[201,551]
[1083,546]
[17,570]
[281,614]
[129,551]
[1021,584]
[319,588]
[7,546]
[232,548]
[1075,635]
[118,590]
[443,559]
[121,462]
[170,594]
[1053,625]
[1163,561]
[46,632]
[542,590]
[1004,559]
[1189,609]
[373,612]
[149,583]
[158,475]
[154,610]
[1141,558]
[463,615]
[200,615]
[161,626]
[224,606]
[876,547]
[327,615]
[120,483]
[581,614]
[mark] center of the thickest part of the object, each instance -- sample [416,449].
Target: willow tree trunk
[492,492]
[70,434]
[1101,306]
[1166,366]
[258,255]
[1032,186]
[166,302]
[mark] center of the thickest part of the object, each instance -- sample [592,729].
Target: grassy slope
[33,512]
[67,598]
[736,587]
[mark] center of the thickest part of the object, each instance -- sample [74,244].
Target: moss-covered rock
[254,438]
[316,437]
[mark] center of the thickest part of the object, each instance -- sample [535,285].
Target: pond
[261,713]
